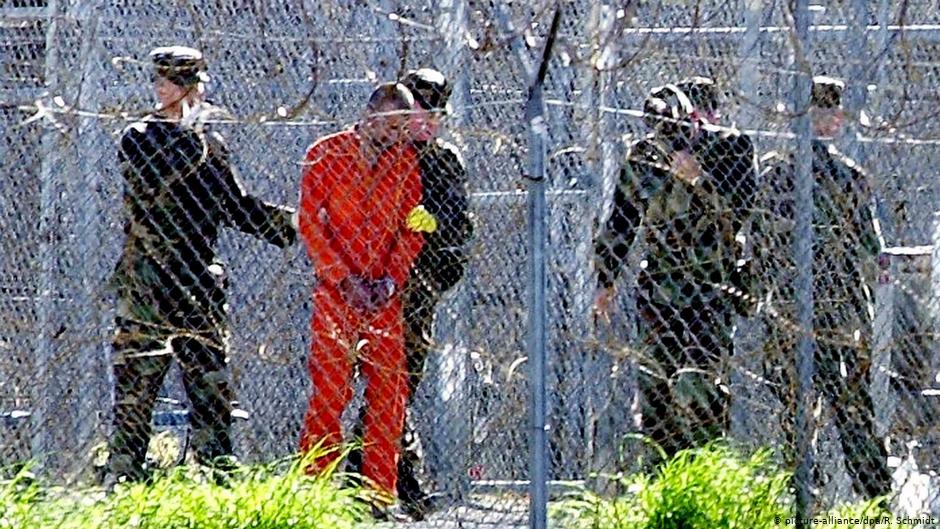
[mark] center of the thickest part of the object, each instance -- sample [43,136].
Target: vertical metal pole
[93,373]
[749,53]
[803,253]
[44,395]
[535,119]
[933,302]
[538,486]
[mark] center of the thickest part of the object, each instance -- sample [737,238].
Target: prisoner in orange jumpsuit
[361,221]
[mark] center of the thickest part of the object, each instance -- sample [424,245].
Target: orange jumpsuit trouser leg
[334,328]
[384,367]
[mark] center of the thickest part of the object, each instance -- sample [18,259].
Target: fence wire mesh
[253,275]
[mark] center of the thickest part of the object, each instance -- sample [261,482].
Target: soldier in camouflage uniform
[847,246]
[689,187]
[180,189]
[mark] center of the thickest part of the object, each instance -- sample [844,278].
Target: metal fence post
[538,130]
[933,301]
[93,369]
[749,51]
[803,250]
[45,394]
[538,485]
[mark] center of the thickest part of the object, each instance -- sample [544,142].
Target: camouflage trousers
[682,381]
[842,379]
[142,357]
[419,303]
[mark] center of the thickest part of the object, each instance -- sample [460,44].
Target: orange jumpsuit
[352,220]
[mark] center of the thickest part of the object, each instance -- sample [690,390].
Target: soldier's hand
[602,300]
[686,167]
[420,219]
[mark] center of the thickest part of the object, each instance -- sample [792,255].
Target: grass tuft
[270,497]
[714,487]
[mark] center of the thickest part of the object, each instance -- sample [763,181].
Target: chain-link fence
[743,256]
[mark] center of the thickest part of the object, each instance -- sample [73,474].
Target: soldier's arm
[444,261]
[775,176]
[863,212]
[772,226]
[138,156]
[742,169]
[619,231]
[252,215]
[736,167]
[455,227]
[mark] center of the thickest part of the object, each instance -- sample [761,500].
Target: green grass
[711,488]
[188,498]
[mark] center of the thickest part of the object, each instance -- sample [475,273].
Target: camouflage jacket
[847,240]
[180,189]
[691,230]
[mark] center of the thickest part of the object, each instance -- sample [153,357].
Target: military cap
[702,92]
[668,101]
[827,92]
[181,65]
[429,87]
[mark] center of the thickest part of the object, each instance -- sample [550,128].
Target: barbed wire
[39,111]
[59,160]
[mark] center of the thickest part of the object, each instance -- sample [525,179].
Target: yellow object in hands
[420,219]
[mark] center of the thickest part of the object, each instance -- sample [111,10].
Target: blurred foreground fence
[74,75]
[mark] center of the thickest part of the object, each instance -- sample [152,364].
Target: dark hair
[390,96]
[827,92]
